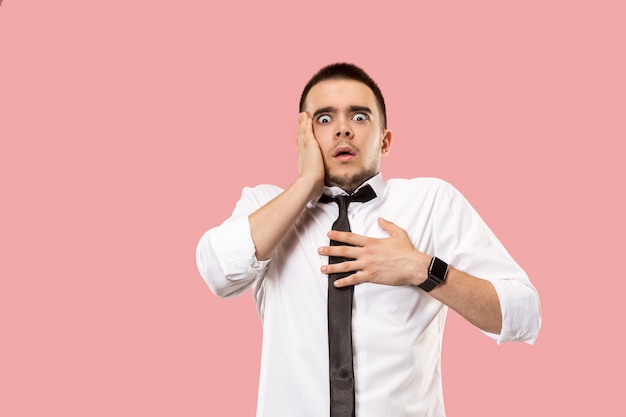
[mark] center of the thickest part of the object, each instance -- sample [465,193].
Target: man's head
[345,71]
[348,124]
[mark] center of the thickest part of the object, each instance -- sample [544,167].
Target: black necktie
[341,371]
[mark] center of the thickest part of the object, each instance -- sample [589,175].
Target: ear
[386,142]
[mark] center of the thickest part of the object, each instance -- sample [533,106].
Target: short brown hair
[346,71]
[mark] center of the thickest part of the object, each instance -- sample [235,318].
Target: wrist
[419,268]
[436,274]
[312,185]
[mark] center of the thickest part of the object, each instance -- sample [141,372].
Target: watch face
[436,274]
[438,270]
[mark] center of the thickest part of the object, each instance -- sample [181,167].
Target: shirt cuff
[233,245]
[521,317]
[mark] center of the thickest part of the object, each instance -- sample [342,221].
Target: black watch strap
[437,272]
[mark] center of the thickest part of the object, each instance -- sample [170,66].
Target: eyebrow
[351,109]
[324,110]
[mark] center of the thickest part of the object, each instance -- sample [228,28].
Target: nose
[344,132]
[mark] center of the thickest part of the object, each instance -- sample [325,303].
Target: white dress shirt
[397,330]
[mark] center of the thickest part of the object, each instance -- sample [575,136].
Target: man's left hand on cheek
[390,261]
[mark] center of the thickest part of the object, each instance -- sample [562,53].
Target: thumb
[389,227]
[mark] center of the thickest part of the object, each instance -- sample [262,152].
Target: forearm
[394,261]
[473,298]
[271,222]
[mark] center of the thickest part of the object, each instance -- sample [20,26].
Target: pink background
[129,128]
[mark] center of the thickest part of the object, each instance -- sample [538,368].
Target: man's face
[347,126]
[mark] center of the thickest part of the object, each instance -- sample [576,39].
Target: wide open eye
[323,119]
[359,117]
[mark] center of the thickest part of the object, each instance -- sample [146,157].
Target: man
[415,248]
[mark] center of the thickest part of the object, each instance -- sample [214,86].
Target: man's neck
[351,188]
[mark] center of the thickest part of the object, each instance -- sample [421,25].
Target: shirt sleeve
[470,246]
[225,255]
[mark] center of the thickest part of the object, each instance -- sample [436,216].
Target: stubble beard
[350,183]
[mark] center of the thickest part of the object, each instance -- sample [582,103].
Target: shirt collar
[376,182]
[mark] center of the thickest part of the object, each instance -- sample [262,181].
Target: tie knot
[362,195]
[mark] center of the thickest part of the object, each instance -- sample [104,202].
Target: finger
[340,268]
[308,128]
[302,117]
[349,238]
[391,228]
[354,279]
[341,251]
[305,131]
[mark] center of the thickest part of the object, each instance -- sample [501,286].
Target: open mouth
[343,152]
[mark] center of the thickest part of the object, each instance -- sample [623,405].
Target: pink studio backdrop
[129,128]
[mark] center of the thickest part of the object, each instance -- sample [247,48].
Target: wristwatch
[437,272]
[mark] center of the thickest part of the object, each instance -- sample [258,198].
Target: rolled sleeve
[225,258]
[225,255]
[521,317]
[472,247]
